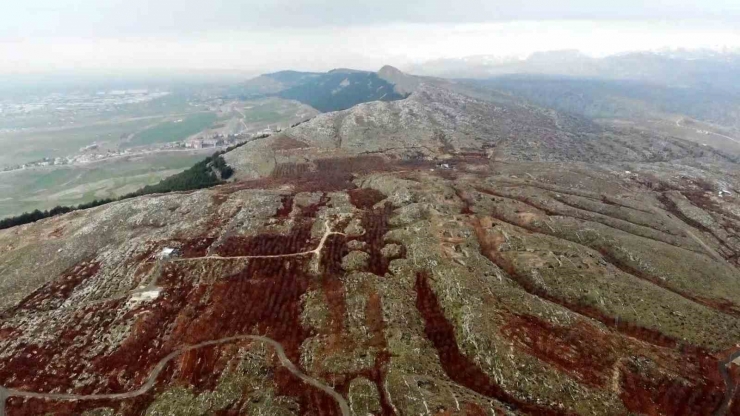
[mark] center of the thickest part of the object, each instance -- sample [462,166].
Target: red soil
[331,174]
[375,223]
[457,366]
[147,344]
[265,298]
[195,247]
[335,248]
[201,368]
[287,207]
[365,198]
[298,241]
[580,351]
[7,332]
[53,294]
[44,367]
[310,211]
[466,209]
[658,393]
[312,401]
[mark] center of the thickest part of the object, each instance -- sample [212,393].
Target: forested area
[336,91]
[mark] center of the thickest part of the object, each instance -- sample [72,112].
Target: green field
[30,146]
[172,131]
[45,188]
[144,124]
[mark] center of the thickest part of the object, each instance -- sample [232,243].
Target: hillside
[338,89]
[448,253]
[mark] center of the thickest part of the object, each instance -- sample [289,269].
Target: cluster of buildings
[72,160]
[85,156]
[215,140]
[220,139]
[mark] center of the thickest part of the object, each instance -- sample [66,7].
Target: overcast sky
[263,35]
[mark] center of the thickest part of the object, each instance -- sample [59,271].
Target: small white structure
[144,296]
[166,253]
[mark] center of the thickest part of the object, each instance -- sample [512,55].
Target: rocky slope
[438,255]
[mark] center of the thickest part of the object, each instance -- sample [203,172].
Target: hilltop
[338,89]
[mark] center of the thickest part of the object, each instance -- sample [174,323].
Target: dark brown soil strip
[648,392]
[286,208]
[673,209]
[375,223]
[459,367]
[297,241]
[580,350]
[467,205]
[365,198]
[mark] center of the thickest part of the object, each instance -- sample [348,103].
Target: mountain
[404,84]
[461,251]
[337,89]
[664,86]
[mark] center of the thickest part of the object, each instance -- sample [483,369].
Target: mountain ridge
[334,90]
[671,68]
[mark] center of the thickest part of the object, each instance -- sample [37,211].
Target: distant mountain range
[677,68]
[667,85]
[619,99]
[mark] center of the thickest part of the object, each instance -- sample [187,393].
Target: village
[92,153]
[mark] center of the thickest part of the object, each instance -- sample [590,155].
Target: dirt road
[316,252]
[151,381]
[5,393]
[730,386]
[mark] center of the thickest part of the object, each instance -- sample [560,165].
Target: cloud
[264,35]
[113,18]
[361,47]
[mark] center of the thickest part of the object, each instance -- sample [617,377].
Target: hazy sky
[260,35]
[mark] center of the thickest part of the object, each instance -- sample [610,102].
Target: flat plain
[45,188]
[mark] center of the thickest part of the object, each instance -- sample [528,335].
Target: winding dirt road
[730,386]
[315,252]
[151,381]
